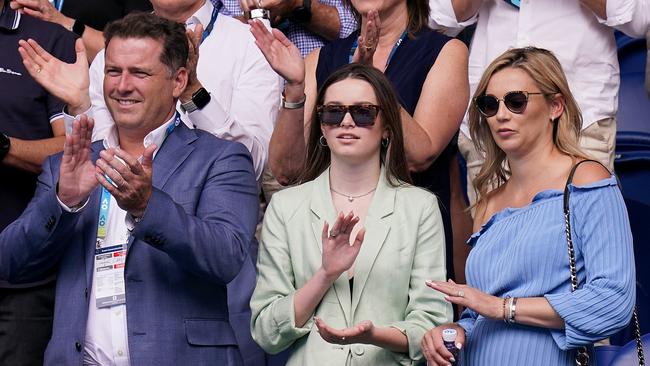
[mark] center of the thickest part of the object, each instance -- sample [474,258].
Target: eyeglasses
[363,115]
[515,101]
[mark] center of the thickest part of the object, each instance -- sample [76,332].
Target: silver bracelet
[512,310]
[293,105]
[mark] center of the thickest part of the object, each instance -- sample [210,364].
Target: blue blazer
[193,240]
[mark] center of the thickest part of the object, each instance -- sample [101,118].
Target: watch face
[301,15]
[201,98]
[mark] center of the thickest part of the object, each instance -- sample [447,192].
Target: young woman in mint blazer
[344,256]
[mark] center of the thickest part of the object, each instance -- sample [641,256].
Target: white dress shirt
[245,91]
[107,340]
[583,43]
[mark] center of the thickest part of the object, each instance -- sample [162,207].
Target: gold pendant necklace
[352,197]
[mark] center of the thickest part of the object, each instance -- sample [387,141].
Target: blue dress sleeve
[605,297]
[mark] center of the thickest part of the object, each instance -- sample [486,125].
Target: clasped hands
[127,179]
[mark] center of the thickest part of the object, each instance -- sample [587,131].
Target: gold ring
[38,71]
[461,294]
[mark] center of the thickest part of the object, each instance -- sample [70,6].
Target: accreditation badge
[109,283]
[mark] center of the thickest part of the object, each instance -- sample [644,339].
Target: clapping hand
[338,253]
[68,82]
[360,333]
[283,56]
[130,181]
[368,39]
[194,40]
[77,172]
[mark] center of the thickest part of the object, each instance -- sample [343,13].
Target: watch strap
[78,27]
[5,145]
[293,105]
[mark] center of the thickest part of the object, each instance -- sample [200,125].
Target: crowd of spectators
[142,142]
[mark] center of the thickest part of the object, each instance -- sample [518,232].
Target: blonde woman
[520,307]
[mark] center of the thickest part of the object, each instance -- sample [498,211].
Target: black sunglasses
[515,101]
[363,115]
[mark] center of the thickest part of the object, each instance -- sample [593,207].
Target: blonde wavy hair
[544,68]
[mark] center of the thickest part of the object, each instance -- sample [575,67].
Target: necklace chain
[351,197]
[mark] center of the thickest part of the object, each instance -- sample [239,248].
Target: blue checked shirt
[303,38]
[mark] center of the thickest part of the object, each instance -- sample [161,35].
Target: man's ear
[180,81]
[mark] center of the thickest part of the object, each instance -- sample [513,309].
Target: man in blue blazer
[145,228]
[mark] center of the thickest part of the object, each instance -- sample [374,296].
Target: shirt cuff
[68,119]
[74,209]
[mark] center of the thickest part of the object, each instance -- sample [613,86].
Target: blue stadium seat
[633,101]
[627,355]
[632,166]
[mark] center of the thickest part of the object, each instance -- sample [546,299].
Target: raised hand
[77,172]
[368,39]
[193,84]
[360,333]
[131,180]
[338,253]
[41,9]
[68,82]
[434,349]
[487,305]
[283,56]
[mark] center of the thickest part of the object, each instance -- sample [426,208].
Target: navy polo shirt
[26,109]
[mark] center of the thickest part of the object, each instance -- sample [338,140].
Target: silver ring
[343,338]
[259,4]
[461,294]
[334,234]
[38,71]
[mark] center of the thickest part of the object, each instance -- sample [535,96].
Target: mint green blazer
[404,246]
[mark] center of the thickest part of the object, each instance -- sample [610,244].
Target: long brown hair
[318,156]
[545,69]
[418,13]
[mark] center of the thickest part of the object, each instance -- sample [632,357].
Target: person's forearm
[390,338]
[598,7]
[287,148]
[29,154]
[307,298]
[92,38]
[465,9]
[325,20]
[420,150]
[537,312]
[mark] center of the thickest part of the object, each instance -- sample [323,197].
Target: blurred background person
[31,128]
[581,35]
[344,255]
[520,305]
[86,18]
[427,70]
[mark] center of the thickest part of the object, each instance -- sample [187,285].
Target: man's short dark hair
[147,25]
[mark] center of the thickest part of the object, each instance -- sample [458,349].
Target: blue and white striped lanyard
[213,19]
[102,227]
[58,4]
[355,45]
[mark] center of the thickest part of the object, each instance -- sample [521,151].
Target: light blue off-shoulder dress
[522,252]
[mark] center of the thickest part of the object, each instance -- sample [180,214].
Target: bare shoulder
[455,48]
[590,172]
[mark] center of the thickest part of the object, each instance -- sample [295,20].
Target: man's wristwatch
[302,15]
[200,99]
[5,145]
[78,27]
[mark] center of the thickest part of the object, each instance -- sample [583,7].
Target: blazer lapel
[172,154]
[377,228]
[323,209]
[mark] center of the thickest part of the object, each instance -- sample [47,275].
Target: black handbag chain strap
[582,357]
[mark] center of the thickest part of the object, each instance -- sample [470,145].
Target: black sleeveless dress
[407,71]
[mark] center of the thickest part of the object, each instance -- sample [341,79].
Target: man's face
[139,91]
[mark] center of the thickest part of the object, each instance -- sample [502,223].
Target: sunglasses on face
[515,101]
[363,115]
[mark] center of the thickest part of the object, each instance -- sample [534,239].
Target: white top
[245,90]
[107,340]
[583,43]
